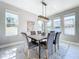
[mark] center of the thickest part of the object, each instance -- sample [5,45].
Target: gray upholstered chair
[50,39]
[49,44]
[43,33]
[56,41]
[38,32]
[33,32]
[30,44]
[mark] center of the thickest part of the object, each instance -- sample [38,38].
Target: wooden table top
[37,37]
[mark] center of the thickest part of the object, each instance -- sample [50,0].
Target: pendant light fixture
[43,16]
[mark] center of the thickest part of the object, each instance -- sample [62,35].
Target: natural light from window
[57,25]
[11,24]
[49,26]
[69,25]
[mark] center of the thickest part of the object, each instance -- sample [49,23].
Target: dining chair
[56,41]
[38,32]
[49,45]
[30,44]
[50,39]
[43,33]
[33,32]
[44,40]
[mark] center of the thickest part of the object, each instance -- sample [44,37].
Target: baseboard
[74,43]
[11,44]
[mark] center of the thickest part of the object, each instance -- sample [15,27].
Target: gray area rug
[60,54]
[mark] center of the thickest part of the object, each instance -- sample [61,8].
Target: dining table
[38,38]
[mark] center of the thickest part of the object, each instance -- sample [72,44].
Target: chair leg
[37,52]
[58,46]
[28,54]
[55,48]
[46,54]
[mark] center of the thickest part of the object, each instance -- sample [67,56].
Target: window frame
[58,26]
[10,12]
[70,26]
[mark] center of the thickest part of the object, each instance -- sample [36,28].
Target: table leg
[39,49]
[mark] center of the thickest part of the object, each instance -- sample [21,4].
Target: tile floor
[66,51]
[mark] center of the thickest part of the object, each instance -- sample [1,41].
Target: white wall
[24,16]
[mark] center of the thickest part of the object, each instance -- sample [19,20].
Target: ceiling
[35,6]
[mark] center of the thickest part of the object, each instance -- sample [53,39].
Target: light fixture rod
[45,10]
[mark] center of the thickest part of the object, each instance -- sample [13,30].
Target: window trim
[69,15]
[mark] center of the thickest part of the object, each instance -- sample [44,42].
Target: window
[49,26]
[57,24]
[11,23]
[40,25]
[69,24]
